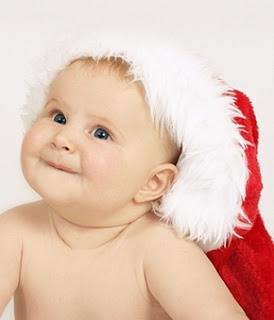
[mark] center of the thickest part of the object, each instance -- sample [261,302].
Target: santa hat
[198,110]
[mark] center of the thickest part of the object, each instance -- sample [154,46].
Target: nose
[62,141]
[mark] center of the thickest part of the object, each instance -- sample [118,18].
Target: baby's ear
[159,181]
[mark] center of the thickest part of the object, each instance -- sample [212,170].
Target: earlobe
[159,182]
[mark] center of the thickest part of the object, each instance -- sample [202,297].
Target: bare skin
[92,248]
[103,282]
[68,273]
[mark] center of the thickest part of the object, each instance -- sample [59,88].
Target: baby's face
[93,146]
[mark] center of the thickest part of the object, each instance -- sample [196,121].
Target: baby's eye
[101,134]
[59,118]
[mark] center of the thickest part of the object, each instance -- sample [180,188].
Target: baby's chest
[63,284]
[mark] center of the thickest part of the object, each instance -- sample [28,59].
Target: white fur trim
[197,108]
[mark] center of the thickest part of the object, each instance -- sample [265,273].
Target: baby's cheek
[32,141]
[103,165]
[29,156]
[27,149]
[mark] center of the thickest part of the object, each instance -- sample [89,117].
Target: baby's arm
[10,257]
[184,282]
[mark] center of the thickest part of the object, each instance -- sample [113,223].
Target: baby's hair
[116,65]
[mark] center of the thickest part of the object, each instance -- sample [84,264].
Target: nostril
[59,146]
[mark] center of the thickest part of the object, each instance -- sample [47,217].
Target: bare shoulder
[16,226]
[168,253]
[161,244]
[182,279]
[23,217]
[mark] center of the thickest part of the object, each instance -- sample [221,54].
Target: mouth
[60,167]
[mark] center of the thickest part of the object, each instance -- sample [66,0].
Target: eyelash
[54,112]
[97,127]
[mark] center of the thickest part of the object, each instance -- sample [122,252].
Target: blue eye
[59,118]
[101,134]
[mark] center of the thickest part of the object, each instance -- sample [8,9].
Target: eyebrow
[50,101]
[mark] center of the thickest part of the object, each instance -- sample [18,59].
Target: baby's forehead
[116,69]
[105,83]
[110,73]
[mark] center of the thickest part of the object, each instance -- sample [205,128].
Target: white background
[237,37]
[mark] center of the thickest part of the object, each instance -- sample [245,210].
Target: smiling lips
[60,167]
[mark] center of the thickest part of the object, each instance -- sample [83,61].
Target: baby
[104,161]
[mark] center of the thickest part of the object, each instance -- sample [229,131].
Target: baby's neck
[78,238]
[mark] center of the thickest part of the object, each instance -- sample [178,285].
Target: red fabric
[247,265]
